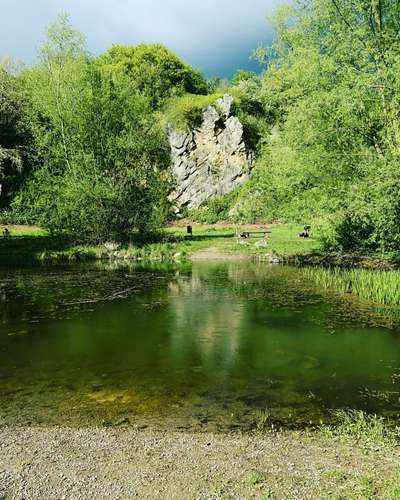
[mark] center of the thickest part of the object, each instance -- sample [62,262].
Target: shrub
[154,71]
[186,111]
[217,209]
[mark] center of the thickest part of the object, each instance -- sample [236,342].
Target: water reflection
[205,346]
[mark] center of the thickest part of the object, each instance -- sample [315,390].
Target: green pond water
[206,346]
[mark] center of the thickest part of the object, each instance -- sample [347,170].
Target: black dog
[305,233]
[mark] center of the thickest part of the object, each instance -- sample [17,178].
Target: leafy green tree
[14,134]
[155,71]
[243,75]
[59,94]
[330,95]
[101,150]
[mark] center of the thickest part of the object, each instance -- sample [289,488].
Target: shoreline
[81,254]
[123,462]
[344,261]
[29,244]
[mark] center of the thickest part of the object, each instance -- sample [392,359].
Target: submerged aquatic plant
[382,287]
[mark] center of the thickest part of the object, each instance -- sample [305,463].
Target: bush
[101,150]
[154,71]
[185,112]
[217,209]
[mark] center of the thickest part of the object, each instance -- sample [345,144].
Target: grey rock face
[211,160]
[225,105]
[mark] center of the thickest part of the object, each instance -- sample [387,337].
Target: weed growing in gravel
[254,478]
[262,419]
[267,495]
[363,427]
[257,480]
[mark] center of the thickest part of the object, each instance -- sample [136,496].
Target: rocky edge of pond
[126,462]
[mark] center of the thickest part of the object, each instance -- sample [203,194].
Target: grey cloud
[215,35]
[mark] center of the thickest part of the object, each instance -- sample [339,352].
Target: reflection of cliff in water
[87,343]
[206,318]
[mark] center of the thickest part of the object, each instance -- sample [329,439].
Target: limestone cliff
[211,160]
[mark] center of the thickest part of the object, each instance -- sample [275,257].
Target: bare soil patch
[215,253]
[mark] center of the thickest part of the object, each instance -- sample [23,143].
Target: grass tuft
[263,418]
[363,427]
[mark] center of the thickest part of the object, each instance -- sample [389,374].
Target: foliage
[263,419]
[14,134]
[330,96]
[85,135]
[186,111]
[101,150]
[243,75]
[363,427]
[218,85]
[154,71]
[217,209]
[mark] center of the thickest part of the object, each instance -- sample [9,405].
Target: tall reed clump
[382,287]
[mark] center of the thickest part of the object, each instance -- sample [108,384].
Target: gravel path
[123,462]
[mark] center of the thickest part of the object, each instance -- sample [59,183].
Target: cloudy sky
[217,36]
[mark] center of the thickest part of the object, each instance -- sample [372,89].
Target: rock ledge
[211,160]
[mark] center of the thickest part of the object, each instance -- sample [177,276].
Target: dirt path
[122,463]
[215,253]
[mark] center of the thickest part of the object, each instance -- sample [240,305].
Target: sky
[216,36]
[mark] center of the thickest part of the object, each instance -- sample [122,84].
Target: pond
[208,346]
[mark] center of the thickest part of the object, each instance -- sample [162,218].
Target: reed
[382,287]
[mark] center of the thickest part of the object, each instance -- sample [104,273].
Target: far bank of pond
[28,245]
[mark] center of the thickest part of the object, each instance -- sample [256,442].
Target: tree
[14,133]
[100,149]
[330,94]
[243,75]
[155,71]
[59,94]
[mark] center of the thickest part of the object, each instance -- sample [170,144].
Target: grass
[25,231]
[254,478]
[284,241]
[31,243]
[382,287]
[185,111]
[339,486]
[363,427]
[263,420]
[372,434]
[347,475]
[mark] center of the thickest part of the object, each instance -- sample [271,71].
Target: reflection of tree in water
[45,292]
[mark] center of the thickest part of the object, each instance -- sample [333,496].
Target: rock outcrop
[211,160]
